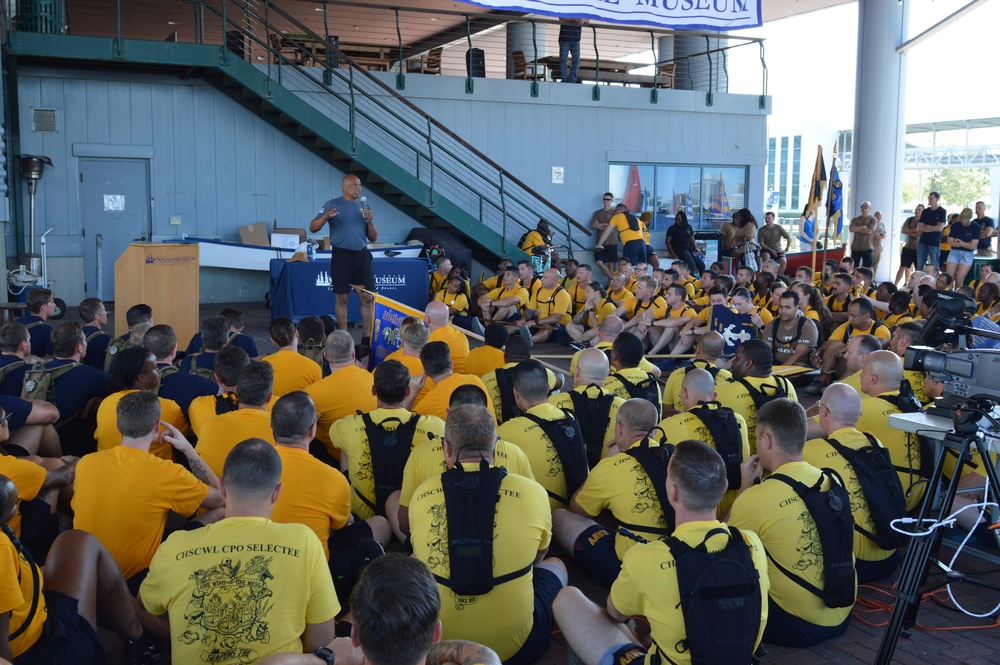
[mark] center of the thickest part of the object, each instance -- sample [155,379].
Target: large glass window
[708,194]
[783,178]
[796,156]
[772,156]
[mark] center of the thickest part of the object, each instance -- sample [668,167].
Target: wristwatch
[325,654]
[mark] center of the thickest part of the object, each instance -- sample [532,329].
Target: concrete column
[519,39]
[994,208]
[693,72]
[879,110]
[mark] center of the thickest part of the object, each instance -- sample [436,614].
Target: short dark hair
[758,352]
[282,331]
[496,335]
[699,473]
[911,330]
[848,260]
[392,378]
[869,344]
[395,606]
[678,290]
[628,349]
[864,306]
[65,338]
[311,330]
[329,324]
[138,413]
[742,293]
[256,383]
[11,336]
[467,394]
[866,271]
[89,309]
[518,349]
[37,298]
[229,363]
[292,416]
[160,340]
[234,317]
[786,421]
[137,314]
[471,428]
[789,294]
[900,300]
[214,332]
[436,358]
[252,469]
[531,380]
[128,365]
[843,278]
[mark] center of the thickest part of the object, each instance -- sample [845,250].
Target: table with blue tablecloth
[300,288]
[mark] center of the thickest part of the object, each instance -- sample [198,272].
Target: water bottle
[310,251]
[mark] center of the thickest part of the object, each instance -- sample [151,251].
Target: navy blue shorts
[547,585]
[19,410]
[786,630]
[67,637]
[594,549]
[876,571]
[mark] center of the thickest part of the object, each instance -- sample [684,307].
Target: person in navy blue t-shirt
[183,388]
[41,307]
[214,334]
[95,316]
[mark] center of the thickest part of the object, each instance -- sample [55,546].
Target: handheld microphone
[364,202]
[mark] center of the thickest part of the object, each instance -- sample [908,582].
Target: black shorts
[349,268]
[787,630]
[343,546]
[595,551]
[39,527]
[546,585]
[66,638]
[608,255]
[908,258]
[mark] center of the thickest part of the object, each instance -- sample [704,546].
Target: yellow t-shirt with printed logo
[545,463]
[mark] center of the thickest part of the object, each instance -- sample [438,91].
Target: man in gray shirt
[351,229]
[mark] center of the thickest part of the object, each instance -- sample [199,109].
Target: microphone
[364,202]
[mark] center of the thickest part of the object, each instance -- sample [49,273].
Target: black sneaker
[361,351]
[369,549]
[144,651]
[579,346]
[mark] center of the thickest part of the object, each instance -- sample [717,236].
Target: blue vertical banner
[734,328]
[835,202]
[388,314]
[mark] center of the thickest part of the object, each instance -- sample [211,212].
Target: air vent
[43,120]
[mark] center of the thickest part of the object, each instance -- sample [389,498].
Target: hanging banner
[388,314]
[734,328]
[678,14]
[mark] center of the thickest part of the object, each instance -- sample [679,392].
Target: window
[796,157]
[783,182]
[772,153]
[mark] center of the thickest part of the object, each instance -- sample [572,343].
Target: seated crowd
[223,506]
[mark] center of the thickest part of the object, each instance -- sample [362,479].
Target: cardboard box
[285,240]
[298,233]
[254,234]
[325,244]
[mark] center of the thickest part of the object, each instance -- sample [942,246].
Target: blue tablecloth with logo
[300,289]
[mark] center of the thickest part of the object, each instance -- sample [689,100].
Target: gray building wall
[218,166]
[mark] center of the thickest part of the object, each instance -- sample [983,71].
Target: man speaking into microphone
[352,227]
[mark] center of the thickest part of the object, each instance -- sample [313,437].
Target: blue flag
[734,328]
[835,202]
[388,314]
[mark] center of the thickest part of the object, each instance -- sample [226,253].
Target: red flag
[633,191]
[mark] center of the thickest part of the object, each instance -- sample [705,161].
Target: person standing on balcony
[352,227]
[570,33]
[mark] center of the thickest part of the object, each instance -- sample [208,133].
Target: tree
[959,188]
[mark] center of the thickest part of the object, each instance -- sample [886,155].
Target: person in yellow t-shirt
[505,302]
[436,317]
[708,350]
[607,332]
[376,475]
[903,337]
[880,379]
[484,359]
[250,556]
[346,391]
[498,382]
[699,325]
[496,280]
[645,300]
[124,495]
[575,282]
[617,292]
[229,362]
[586,322]
[317,495]
[619,483]
[549,308]
[428,461]
[538,244]
[590,375]
[751,370]
[504,617]
[438,367]
[630,231]
[439,277]
[702,413]
[454,297]
[413,334]
[861,321]
[665,324]
[696,479]
[291,371]
[772,509]
[251,420]
[629,379]
[76,581]
[840,409]
[855,352]
[134,369]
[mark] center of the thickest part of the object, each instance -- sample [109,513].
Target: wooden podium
[163,275]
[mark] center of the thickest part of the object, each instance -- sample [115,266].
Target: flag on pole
[835,202]
[735,328]
[720,204]
[818,181]
[388,314]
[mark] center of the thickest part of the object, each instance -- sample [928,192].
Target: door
[114,195]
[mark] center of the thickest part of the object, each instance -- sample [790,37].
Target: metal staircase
[343,114]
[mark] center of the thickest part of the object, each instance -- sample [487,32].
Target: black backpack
[633,221]
[646,389]
[834,522]
[720,598]
[505,383]
[388,451]
[762,397]
[654,461]
[567,439]
[226,403]
[881,486]
[711,368]
[725,430]
[593,414]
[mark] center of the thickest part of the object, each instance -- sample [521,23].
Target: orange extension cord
[865,606]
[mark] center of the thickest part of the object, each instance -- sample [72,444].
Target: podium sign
[163,276]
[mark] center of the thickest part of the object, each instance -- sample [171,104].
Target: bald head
[711,345]
[351,185]
[843,407]
[591,367]
[882,373]
[698,386]
[609,328]
[636,418]
[436,313]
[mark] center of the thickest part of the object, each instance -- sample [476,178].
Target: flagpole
[826,244]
